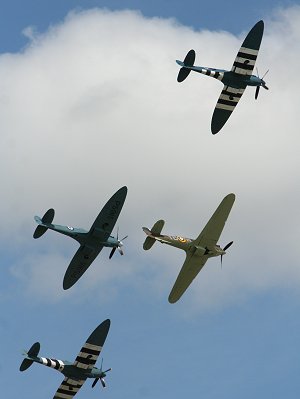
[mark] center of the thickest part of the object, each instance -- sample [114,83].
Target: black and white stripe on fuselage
[53,363]
[211,72]
[245,61]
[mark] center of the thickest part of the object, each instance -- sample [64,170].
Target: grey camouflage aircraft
[197,251]
[78,371]
[92,241]
[235,81]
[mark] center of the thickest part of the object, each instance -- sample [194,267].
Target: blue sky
[76,127]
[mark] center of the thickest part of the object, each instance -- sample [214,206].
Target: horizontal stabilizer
[49,216]
[26,364]
[46,219]
[33,352]
[189,62]
[155,231]
[148,243]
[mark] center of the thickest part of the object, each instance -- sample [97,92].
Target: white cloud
[93,104]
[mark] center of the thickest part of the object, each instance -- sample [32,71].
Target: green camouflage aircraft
[198,250]
[235,81]
[92,241]
[82,368]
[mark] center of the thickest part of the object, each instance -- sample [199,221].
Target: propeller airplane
[92,241]
[83,367]
[235,81]
[198,251]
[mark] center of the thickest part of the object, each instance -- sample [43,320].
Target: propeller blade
[256,92]
[265,86]
[265,75]
[121,250]
[124,238]
[95,382]
[228,245]
[221,260]
[112,252]
[107,370]
[103,382]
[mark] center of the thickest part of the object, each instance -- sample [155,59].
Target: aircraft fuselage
[68,369]
[186,244]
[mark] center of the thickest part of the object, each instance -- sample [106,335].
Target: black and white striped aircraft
[82,368]
[235,81]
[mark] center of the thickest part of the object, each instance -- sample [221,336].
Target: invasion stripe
[225,107]
[244,61]
[91,346]
[90,351]
[248,50]
[249,56]
[227,102]
[231,94]
[246,67]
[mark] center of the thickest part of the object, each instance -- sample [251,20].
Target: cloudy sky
[88,103]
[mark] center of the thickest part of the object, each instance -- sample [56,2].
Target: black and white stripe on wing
[68,388]
[244,61]
[88,356]
[229,98]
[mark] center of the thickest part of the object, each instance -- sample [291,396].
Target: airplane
[92,241]
[77,372]
[197,251]
[235,81]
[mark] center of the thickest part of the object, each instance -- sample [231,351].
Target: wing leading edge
[207,238]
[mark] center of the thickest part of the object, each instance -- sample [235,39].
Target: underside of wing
[246,57]
[191,267]
[214,227]
[106,220]
[68,388]
[227,101]
[81,261]
[90,351]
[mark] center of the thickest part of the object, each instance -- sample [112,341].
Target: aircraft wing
[226,103]
[106,220]
[68,388]
[81,261]
[189,270]
[90,351]
[246,57]
[207,238]
[210,235]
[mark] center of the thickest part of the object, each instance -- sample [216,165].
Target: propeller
[262,83]
[101,378]
[224,249]
[119,246]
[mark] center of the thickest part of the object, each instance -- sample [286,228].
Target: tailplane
[155,231]
[188,62]
[46,219]
[33,352]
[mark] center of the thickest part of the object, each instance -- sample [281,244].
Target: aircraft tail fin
[155,231]
[46,219]
[189,62]
[33,352]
